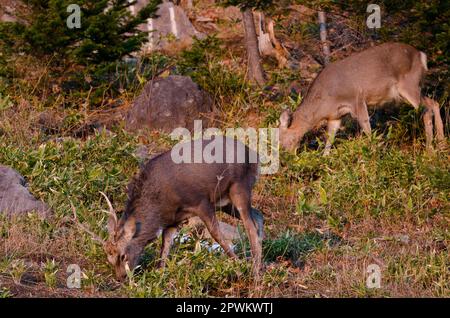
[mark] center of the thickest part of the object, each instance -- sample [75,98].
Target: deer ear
[129,228]
[285,119]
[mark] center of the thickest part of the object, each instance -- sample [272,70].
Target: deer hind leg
[409,89]
[206,212]
[240,197]
[363,119]
[432,106]
[258,218]
[168,235]
[332,128]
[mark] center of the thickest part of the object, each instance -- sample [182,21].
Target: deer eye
[123,258]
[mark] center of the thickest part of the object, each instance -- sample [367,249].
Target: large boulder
[13,11]
[229,232]
[169,103]
[14,195]
[170,30]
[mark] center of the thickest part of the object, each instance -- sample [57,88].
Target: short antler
[111,209]
[81,226]
[112,222]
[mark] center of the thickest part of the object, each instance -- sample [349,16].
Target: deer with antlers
[165,194]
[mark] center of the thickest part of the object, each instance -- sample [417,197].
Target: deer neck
[304,119]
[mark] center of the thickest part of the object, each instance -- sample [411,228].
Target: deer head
[121,252]
[289,136]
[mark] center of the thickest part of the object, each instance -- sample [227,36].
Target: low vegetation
[326,220]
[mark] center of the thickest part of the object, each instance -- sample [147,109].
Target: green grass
[71,170]
[5,293]
[370,177]
[191,271]
[371,183]
[363,179]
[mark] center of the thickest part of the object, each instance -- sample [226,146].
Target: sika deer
[165,194]
[381,74]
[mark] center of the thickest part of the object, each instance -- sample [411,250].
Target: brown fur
[378,75]
[165,194]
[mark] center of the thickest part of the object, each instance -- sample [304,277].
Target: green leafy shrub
[202,63]
[369,176]
[108,31]
[71,170]
[287,245]
[191,271]
[5,293]
[90,58]
[292,246]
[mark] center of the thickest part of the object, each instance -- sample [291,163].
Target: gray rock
[169,103]
[13,11]
[172,26]
[8,18]
[230,233]
[15,197]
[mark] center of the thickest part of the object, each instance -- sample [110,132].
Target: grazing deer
[381,74]
[165,194]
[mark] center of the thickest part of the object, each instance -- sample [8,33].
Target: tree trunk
[281,53]
[323,37]
[255,71]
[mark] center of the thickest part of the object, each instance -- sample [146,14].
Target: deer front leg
[332,128]
[205,211]
[362,116]
[168,235]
